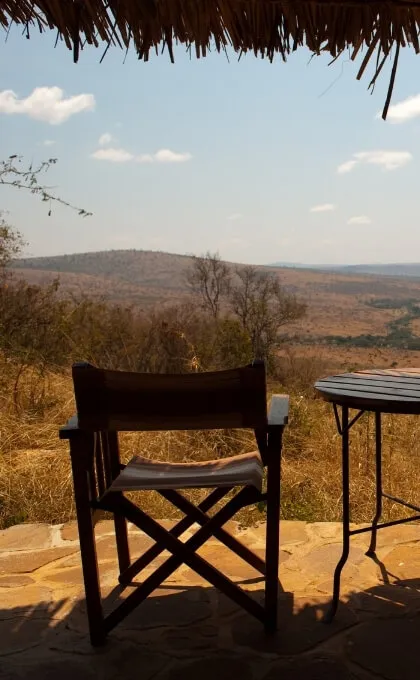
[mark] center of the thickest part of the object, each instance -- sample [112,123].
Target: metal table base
[344,425]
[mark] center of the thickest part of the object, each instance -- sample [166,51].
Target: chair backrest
[119,400]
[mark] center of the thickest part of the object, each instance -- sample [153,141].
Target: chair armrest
[278,412]
[70,428]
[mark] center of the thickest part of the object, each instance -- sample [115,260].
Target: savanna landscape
[178,202]
[149,311]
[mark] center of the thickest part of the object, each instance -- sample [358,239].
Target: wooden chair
[112,401]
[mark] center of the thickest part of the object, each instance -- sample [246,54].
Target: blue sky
[262,162]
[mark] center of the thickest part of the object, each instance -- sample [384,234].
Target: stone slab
[69,531]
[311,667]
[229,564]
[22,633]
[292,532]
[106,547]
[391,536]
[31,602]
[233,566]
[26,537]
[386,601]
[300,626]
[403,563]
[73,576]
[26,562]
[170,607]
[50,668]
[388,648]
[221,667]
[322,559]
[15,580]
[326,530]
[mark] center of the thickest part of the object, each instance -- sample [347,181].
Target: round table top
[386,391]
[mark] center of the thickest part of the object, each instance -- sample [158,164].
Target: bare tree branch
[209,278]
[28,179]
[262,306]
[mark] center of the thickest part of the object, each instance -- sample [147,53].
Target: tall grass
[35,478]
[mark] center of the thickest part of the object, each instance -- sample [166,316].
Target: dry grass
[35,479]
[312,473]
[326,359]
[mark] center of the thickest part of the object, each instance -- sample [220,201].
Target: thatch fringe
[266,27]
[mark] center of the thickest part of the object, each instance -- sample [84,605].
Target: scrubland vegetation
[229,319]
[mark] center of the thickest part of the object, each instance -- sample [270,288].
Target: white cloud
[47,104]
[48,142]
[388,160]
[322,207]
[346,167]
[168,156]
[359,219]
[406,110]
[118,155]
[105,139]
[234,217]
[145,158]
[113,155]
[164,156]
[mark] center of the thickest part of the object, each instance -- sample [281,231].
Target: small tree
[262,306]
[209,278]
[11,244]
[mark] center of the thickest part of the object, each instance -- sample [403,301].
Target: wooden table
[377,391]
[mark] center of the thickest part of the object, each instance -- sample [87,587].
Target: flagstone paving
[188,630]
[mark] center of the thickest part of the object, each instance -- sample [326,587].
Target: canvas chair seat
[141,473]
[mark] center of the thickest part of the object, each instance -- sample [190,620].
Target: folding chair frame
[96,463]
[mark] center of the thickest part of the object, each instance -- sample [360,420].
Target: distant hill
[411,270]
[142,278]
[339,301]
[144,267]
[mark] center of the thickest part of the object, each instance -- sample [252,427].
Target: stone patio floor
[188,630]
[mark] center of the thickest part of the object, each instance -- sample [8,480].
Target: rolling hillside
[408,269]
[338,303]
[405,269]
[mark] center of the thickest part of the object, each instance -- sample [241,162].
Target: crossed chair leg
[182,553]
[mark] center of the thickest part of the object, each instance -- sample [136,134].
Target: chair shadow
[184,632]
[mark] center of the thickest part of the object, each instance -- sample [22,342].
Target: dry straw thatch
[266,27]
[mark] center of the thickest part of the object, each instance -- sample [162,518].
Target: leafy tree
[11,243]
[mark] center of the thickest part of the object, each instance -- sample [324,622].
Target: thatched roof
[265,27]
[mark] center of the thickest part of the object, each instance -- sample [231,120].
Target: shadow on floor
[193,632]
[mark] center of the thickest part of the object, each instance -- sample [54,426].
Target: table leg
[346,513]
[378,461]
